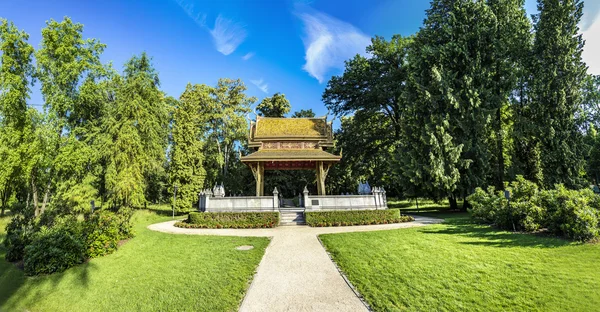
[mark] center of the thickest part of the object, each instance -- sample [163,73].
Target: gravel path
[296,273]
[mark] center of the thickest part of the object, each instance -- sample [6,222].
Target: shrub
[354,217]
[572,213]
[55,249]
[521,213]
[235,220]
[19,233]
[103,231]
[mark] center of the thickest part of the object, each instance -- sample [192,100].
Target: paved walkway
[296,274]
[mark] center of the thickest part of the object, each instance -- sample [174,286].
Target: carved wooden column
[320,178]
[258,170]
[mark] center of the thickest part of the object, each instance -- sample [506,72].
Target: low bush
[233,220]
[521,213]
[55,249]
[19,233]
[103,231]
[354,217]
[573,214]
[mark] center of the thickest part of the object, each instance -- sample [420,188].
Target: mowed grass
[151,272]
[462,266]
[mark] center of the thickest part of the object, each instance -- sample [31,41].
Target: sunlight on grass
[461,266]
[152,272]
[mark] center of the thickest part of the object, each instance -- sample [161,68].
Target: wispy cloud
[248,56]
[227,34]
[590,26]
[259,83]
[328,42]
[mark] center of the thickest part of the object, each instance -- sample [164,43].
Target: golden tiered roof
[290,139]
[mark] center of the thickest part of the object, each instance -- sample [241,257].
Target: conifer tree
[186,169]
[556,92]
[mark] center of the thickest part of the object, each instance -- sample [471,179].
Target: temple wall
[345,202]
[242,203]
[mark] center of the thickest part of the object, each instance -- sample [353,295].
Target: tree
[511,45]
[275,106]
[186,170]
[66,64]
[136,126]
[224,126]
[556,91]
[375,84]
[447,125]
[16,71]
[304,113]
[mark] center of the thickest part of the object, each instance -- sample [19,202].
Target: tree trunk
[452,201]
[500,147]
[466,205]
[46,195]
[34,193]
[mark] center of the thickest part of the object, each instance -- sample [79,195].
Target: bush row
[354,217]
[56,244]
[573,214]
[233,220]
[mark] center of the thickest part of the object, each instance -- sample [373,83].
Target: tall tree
[558,77]
[225,125]
[374,84]
[447,124]
[511,45]
[274,106]
[16,71]
[186,168]
[137,128]
[65,63]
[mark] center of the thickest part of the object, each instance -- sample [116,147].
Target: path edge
[354,290]
[247,291]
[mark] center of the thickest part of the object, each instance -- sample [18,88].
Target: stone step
[292,218]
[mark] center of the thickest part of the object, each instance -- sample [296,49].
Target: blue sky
[273,46]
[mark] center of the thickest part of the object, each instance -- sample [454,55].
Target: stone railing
[210,203]
[374,201]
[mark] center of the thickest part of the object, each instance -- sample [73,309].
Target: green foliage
[558,73]
[373,91]
[103,231]
[354,217]
[274,106]
[574,214]
[235,220]
[304,113]
[19,234]
[137,130]
[16,71]
[522,213]
[224,127]
[55,249]
[186,169]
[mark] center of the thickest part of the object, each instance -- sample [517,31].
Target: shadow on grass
[462,225]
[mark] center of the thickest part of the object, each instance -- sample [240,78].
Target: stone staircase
[291,216]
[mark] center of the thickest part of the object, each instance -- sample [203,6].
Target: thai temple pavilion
[290,144]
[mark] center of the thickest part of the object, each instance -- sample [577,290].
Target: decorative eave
[290,155]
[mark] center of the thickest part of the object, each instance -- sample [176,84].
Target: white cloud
[248,56]
[591,35]
[259,83]
[227,35]
[329,42]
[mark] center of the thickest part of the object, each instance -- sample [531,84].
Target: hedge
[354,217]
[230,220]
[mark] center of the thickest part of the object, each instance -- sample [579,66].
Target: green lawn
[151,272]
[462,266]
